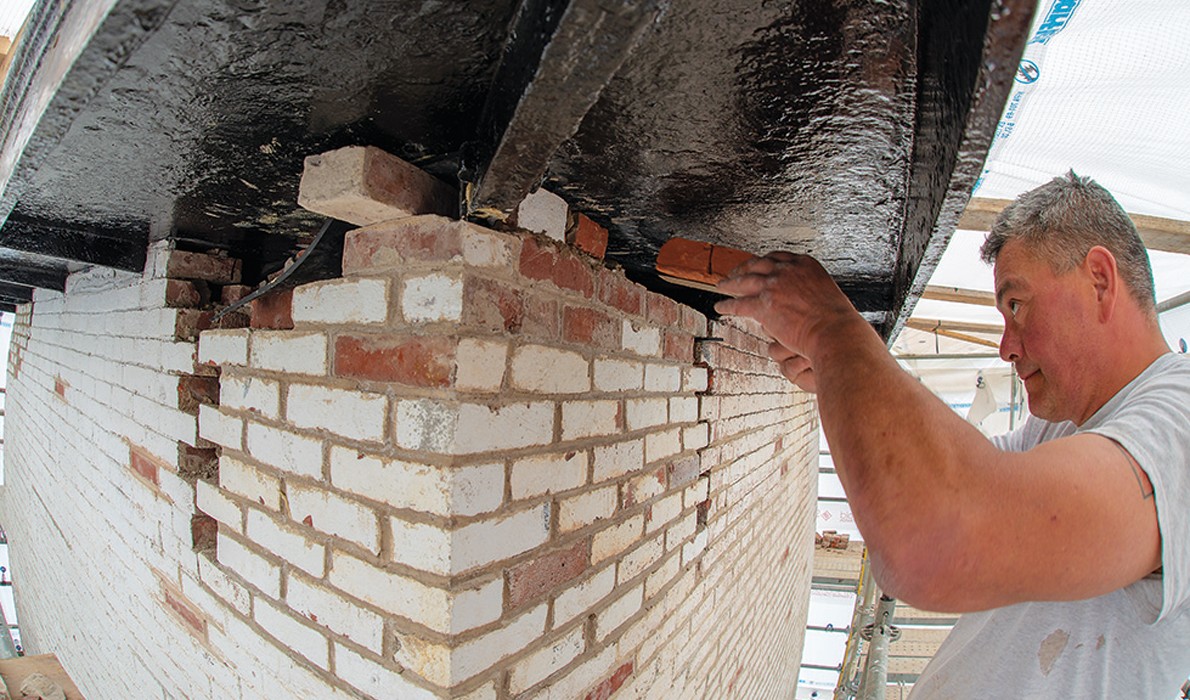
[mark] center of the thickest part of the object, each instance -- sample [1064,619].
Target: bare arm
[950,521]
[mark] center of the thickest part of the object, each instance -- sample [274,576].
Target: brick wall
[480,465]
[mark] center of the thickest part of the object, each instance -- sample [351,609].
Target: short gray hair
[1063,219]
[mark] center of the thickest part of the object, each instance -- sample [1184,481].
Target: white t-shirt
[1131,643]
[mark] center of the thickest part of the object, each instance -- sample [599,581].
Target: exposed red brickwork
[194,391]
[182,294]
[186,611]
[541,319]
[424,238]
[234,292]
[679,345]
[585,325]
[615,290]
[545,573]
[197,462]
[427,361]
[60,386]
[204,531]
[588,236]
[542,261]
[662,310]
[143,466]
[199,266]
[273,310]
[491,305]
[611,684]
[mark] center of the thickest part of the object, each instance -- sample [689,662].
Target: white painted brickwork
[551,517]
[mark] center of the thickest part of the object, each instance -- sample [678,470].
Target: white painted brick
[426,425]
[289,351]
[645,413]
[683,528]
[579,599]
[664,444]
[695,547]
[546,370]
[479,364]
[485,428]
[335,515]
[618,612]
[581,419]
[483,248]
[251,567]
[326,608]
[375,680]
[639,559]
[534,476]
[488,541]
[474,607]
[663,511]
[210,500]
[618,375]
[542,663]
[286,543]
[478,655]
[254,394]
[352,414]
[665,573]
[341,301]
[642,340]
[223,347]
[248,481]
[666,378]
[576,683]
[611,541]
[697,492]
[289,452]
[422,487]
[434,297]
[483,692]
[696,437]
[219,427]
[227,590]
[584,509]
[696,379]
[543,212]
[293,634]
[422,546]
[683,409]
[617,459]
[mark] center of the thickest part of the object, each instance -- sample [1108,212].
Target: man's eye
[1013,307]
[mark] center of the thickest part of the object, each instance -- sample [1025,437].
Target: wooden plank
[1158,233]
[931,325]
[960,295]
[14,671]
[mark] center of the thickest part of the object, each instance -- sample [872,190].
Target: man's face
[1045,316]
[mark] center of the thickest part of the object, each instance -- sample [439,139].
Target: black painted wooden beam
[559,56]
[32,275]
[16,292]
[6,306]
[86,245]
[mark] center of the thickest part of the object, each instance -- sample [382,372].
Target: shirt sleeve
[1154,427]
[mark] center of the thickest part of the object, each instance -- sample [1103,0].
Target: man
[1067,541]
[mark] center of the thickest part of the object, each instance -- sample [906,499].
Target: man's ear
[1100,265]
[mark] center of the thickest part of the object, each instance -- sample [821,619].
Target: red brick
[588,236]
[546,573]
[200,266]
[590,327]
[686,259]
[540,260]
[724,260]
[233,293]
[187,612]
[662,310]
[182,294]
[273,310]
[678,346]
[195,390]
[197,462]
[143,466]
[693,322]
[426,238]
[611,684]
[616,290]
[541,319]
[427,361]
[493,306]
[60,386]
[204,531]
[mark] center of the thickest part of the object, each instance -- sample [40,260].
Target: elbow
[926,577]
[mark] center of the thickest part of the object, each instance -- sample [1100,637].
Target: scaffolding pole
[863,615]
[8,648]
[883,634]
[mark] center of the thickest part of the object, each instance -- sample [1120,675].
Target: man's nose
[1010,345]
